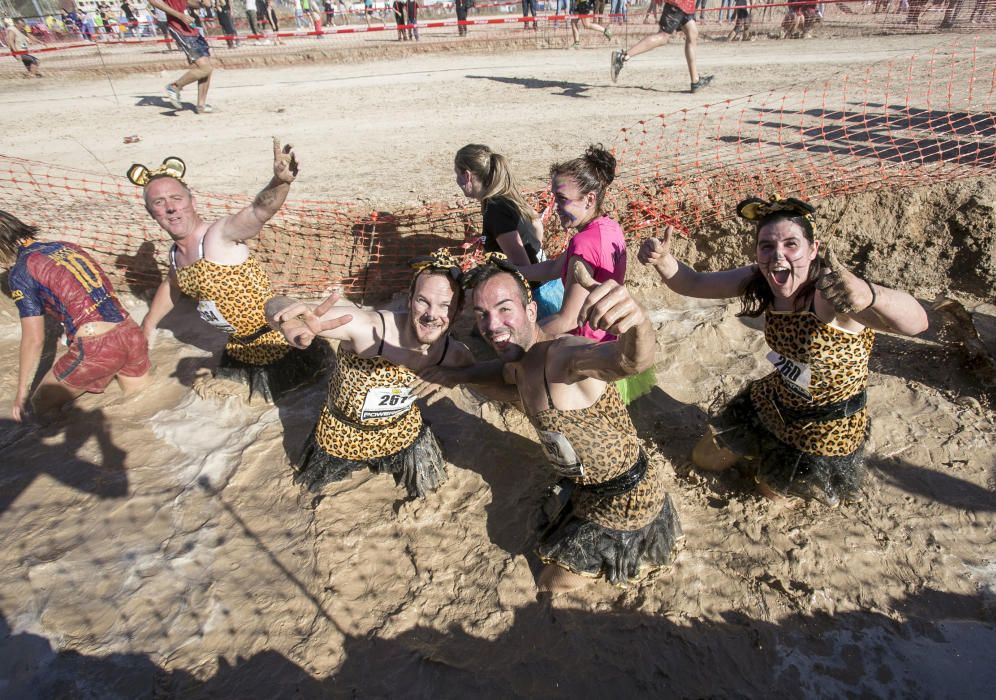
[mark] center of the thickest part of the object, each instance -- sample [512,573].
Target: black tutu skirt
[273,381]
[782,467]
[622,557]
[419,467]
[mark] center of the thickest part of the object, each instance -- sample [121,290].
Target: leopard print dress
[370,420]
[231,298]
[616,524]
[802,428]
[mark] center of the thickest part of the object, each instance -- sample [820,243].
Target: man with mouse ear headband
[212,263]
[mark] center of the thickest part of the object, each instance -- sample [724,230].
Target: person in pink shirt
[578,188]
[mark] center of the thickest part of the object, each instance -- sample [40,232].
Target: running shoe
[204,109]
[172,95]
[616,64]
[702,82]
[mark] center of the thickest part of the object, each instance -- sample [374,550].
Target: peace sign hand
[285,163]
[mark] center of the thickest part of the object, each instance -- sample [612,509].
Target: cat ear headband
[755,208]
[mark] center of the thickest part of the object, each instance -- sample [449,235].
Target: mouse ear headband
[754,208]
[172,167]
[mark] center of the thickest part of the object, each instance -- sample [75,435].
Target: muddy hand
[285,163]
[609,306]
[845,291]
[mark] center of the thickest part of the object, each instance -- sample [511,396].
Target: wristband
[872,290]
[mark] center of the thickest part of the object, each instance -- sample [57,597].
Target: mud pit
[156,547]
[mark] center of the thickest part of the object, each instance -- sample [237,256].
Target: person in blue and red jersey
[183,31]
[63,280]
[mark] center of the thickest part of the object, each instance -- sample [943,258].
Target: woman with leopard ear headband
[801,429]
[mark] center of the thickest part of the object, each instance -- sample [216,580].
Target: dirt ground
[157,547]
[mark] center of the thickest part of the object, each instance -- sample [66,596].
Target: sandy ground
[386,132]
[156,546]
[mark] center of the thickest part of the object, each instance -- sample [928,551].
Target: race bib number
[208,310]
[386,402]
[796,375]
[561,454]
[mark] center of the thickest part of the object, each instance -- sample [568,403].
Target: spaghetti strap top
[172,253]
[383,334]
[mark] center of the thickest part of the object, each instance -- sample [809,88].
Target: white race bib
[797,375]
[208,310]
[561,454]
[386,402]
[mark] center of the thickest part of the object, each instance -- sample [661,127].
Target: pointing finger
[276,148]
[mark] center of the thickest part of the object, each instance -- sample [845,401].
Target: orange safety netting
[921,120]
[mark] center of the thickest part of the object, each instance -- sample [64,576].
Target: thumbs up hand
[845,291]
[654,250]
[609,306]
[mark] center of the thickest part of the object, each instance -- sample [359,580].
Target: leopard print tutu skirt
[419,467]
[275,378]
[622,557]
[783,468]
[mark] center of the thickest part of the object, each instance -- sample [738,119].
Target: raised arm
[249,222]
[656,252]
[610,307]
[868,304]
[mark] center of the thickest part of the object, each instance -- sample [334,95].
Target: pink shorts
[92,363]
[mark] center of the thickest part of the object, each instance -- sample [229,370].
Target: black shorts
[28,60]
[673,19]
[584,7]
[742,13]
[194,47]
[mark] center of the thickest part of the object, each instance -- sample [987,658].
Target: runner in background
[676,14]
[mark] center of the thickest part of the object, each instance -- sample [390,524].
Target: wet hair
[12,232]
[495,175]
[757,296]
[493,266]
[594,172]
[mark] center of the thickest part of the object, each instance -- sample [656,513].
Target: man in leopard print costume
[801,429]
[212,263]
[370,419]
[619,522]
